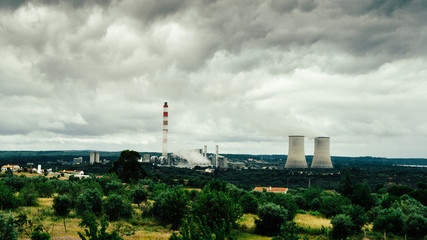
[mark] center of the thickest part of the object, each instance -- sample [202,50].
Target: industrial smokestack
[165,132]
[205,151]
[296,155]
[216,156]
[322,156]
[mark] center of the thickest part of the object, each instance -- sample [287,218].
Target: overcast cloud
[243,74]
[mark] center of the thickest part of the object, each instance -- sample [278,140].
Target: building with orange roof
[11,167]
[271,189]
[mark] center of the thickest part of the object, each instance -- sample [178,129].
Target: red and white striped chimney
[165,131]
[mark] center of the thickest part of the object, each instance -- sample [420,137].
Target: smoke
[193,158]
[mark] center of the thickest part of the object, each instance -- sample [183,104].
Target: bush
[271,217]
[249,203]
[114,187]
[7,199]
[332,205]
[342,226]
[399,190]
[288,231]
[7,227]
[139,195]
[170,207]
[288,203]
[115,208]
[216,206]
[28,196]
[389,220]
[45,189]
[89,200]
[416,226]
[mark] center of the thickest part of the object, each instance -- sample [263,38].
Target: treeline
[212,212]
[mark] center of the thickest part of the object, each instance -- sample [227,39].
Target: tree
[62,206]
[271,217]
[139,195]
[346,187]
[127,166]
[7,227]
[40,234]
[93,233]
[342,226]
[362,196]
[288,231]
[7,199]
[288,203]
[416,226]
[399,190]
[389,220]
[332,205]
[249,203]
[170,207]
[114,187]
[197,229]
[28,196]
[115,208]
[216,206]
[357,215]
[89,200]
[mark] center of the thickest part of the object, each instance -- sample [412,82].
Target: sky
[241,74]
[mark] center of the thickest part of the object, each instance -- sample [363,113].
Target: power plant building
[296,155]
[322,156]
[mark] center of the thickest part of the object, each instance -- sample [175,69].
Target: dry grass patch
[317,222]
[247,222]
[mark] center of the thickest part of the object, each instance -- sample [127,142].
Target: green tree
[115,208]
[198,230]
[216,206]
[332,205]
[271,217]
[127,166]
[62,206]
[288,231]
[346,187]
[249,203]
[389,220]
[28,196]
[114,187]
[89,200]
[7,199]
[93,233]
[7,227]
[287,202]
[342,226]
[139,195]
[362,196]
[416,226]
[400,190]
[170,207]
[40,234]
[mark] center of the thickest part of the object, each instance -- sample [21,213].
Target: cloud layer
[241,74]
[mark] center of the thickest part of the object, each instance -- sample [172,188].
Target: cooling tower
[322,157]
[296,156]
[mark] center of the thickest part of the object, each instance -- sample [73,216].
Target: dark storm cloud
[14,4]
[81,73]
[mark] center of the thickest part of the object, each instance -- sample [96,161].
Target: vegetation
[160,203]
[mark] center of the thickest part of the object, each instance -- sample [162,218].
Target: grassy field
[146,228]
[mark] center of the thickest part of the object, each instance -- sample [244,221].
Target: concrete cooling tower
[322,156]
[296,155]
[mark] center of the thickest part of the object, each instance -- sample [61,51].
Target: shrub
[7,199]
[170,207]
[89,200]
[249,203]
[139,195]
[28,196]
[216,206]
[288,231]
[342,226]
[115,208]
[271,217]
[7,227]
[416,226]
[288,203]
[389,220]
